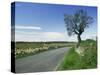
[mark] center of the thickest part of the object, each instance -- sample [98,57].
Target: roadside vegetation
[23,49]
[72,60]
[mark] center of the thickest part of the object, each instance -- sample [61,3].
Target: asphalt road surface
[45,61]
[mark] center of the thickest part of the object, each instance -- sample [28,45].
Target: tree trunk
[79,39]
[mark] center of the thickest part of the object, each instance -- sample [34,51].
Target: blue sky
[45,22]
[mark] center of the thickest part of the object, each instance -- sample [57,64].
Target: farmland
[23,49]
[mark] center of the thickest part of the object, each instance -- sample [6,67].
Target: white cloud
[48,36]
[23,35]
[54,35]
[40,36]
[90,36]
[27,27]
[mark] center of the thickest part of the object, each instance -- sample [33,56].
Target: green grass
[25,45]
[72,60]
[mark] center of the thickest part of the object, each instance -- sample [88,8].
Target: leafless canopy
[77,22]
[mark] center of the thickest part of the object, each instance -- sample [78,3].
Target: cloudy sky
[45,22]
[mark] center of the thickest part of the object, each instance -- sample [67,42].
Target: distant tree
[77,23]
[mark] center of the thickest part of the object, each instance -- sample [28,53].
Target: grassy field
[23,49]
[73,60]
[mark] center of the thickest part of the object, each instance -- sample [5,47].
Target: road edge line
[55,69]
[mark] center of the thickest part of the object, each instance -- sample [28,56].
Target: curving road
[45,61]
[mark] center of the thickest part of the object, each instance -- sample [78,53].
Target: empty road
[44,61]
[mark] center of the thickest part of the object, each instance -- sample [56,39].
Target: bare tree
[77,23]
